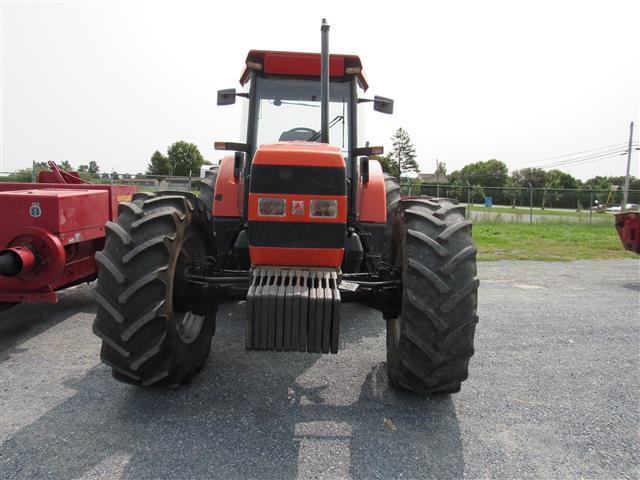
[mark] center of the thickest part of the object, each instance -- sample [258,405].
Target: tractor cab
[287,98]
[284,90]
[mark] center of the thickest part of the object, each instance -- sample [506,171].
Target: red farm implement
[628,226]
[50,232]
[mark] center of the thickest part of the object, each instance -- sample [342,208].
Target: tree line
[492,178]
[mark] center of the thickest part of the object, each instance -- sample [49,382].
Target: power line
[578,157]
[579,153]
[586,159]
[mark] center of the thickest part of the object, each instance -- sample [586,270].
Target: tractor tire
[207,186]
[7,305]
[392,189]
[429,345]
[145,340]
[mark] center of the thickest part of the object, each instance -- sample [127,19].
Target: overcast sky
[517,81]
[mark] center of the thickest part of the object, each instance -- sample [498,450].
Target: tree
[185,158]
[93,167]
[83,168]
[22,175]
[159,164]
[441,169]
[403,152]
[534,176]
[388,165]
[66,165]
[489,174]
[477,192]
[556,181]
[512,191]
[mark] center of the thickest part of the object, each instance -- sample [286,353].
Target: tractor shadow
[24,321]
[249,415]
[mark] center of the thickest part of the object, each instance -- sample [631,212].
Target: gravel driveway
[553,392]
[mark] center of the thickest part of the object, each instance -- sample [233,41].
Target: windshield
[289,109]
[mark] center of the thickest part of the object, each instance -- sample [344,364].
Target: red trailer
[50,232]
[628,226]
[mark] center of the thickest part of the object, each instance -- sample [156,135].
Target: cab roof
[300,63]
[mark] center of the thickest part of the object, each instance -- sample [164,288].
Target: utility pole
[437,178]
[625,193]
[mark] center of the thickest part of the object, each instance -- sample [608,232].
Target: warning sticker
[350,286]
[297,207]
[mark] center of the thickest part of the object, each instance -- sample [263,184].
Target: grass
[547,241]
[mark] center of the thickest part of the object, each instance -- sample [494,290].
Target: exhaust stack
[324,82]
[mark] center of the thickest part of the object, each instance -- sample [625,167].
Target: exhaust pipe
[324,82]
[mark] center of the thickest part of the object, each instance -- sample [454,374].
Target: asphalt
[553,393]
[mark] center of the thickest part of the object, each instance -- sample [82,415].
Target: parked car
[616,208]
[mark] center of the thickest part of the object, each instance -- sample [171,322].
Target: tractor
[297,220]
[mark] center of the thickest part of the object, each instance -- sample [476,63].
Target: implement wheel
[148,337]
[429,345]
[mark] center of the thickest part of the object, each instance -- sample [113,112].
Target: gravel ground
[553,393]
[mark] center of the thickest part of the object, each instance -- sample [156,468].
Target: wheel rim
[188,326]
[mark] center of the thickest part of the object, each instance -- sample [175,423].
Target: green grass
[547,241]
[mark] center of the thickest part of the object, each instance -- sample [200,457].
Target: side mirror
[383,104]
[227,96]
[364,169]
[238,164]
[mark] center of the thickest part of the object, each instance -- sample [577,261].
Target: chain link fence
[514,204]
[146,183]
[529,204]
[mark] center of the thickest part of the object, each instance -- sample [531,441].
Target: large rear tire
[429,345]
[206,187]
[146,338]
[392,190]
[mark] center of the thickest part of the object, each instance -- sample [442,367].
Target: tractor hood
[297,205]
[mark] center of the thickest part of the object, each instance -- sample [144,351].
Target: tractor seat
[298,133]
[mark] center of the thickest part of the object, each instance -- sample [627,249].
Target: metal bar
[319,315]
[590,204]
[530,204]
[324,82]
[280,315]
[289,330]
[353,159]
[272,297]
[335,313]
[311,319]
[304,311]
[468,199]
[625,191]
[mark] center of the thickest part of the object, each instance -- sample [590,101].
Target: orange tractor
[297,221]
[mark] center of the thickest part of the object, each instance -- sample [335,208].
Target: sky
[528,83]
